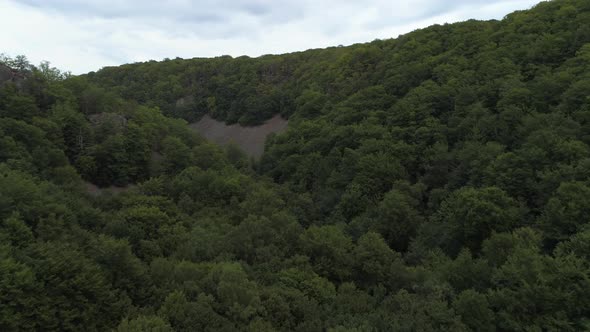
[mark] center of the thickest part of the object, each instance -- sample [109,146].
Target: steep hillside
[435,182]
[250,90]
[437,109]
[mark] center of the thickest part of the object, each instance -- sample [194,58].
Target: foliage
[437,181]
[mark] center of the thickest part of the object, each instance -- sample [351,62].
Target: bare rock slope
[249,139]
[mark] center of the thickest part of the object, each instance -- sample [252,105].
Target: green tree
[566,212]
[144,323]
[471,215]
[475,311]
[177,156]
[329,249]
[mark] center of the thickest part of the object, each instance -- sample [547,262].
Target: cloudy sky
[83,36]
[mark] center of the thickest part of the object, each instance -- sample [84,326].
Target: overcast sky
[83,36]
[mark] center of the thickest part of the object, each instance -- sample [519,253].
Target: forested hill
[435,182]
[525,46]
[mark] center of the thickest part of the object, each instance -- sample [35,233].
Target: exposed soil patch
[249,139]
[94,190]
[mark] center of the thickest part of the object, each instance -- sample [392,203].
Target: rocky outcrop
[5,74]
[113,119]
[185,102]
[249,139]
[9,75]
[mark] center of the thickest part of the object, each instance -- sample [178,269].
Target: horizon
[82,38]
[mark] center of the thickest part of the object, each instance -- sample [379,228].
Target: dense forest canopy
[437,181]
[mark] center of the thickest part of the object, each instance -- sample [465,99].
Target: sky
[83,36]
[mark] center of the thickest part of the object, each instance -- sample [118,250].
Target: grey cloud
[204,18]
[179,10]
[225,18]
[423,9]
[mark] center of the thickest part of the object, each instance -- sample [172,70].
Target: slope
[438,181]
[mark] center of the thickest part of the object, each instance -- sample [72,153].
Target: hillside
[250,90]
[434,182]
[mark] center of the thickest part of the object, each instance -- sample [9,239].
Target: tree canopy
[437,181]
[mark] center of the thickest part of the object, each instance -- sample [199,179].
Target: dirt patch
[94,190]
[249,139]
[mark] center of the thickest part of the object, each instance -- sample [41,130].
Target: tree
[474,310]
[471,215]
[16,232]
[428,312]
[185,315]
[67,303]
[397,219]
[177,156]
[377,264]
[329,248]
[144,323]
[566,212]
[18,285]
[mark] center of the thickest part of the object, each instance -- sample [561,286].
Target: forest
[439,181]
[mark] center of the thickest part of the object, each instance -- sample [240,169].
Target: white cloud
[86,36]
